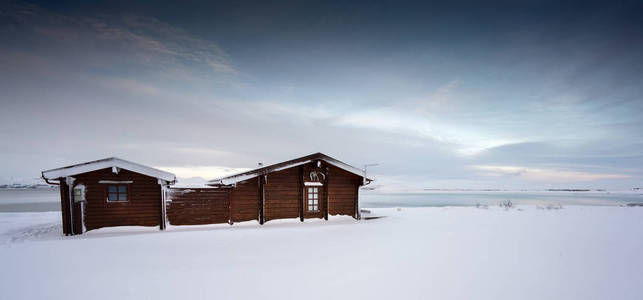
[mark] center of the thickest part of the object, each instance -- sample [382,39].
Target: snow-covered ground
[578,252]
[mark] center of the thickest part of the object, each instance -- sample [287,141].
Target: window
[313,199]
[117,193]
[78,195]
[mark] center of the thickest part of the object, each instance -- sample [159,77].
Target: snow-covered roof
[104,164]
[232,179]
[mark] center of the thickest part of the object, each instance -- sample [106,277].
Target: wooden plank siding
[243,201]
[195,206]
[300,192]
[143,207]
[77,212]
[342,191]
[281,195]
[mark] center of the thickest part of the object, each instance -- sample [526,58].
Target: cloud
[132,86]
[544,175]
[440,99]
[134,38]
[464,138]
[426,110]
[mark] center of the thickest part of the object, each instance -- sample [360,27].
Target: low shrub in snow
[507,204]
[482,206]
[551,206]
[554,206]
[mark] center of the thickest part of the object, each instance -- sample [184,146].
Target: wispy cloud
[439,100]
[544,175]
[146,38]
[465,139]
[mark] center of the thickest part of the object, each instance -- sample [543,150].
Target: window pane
[310,190]
[122,197]
[314,207]
[77,193]
[122,189]
[314,190]
[315,202]
[111,188]
[310,207]
[310,196]
[112,197]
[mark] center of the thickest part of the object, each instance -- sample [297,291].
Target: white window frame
[312,199]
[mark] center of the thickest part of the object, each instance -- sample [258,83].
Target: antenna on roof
[366,166]
[260,164]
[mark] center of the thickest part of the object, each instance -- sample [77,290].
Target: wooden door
[313,201]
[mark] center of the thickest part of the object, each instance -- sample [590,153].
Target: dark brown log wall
[281,194]
[194,206]
[77,212]
[142,209]
[244,201]
[342,191]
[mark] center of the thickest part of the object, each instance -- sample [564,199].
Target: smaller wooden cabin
[110,192]
[312,186]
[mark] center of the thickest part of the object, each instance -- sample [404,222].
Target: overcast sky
[513,94]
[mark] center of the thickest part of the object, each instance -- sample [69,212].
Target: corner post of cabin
[163,221]
[325,191]
[300,193]
[230,202]
[261,179]
[64,206]
[69,183]
[357,211]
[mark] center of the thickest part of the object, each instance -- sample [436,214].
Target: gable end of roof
[105,163]
[232,179]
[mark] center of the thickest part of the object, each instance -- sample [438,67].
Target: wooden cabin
[115,192]
[110,192]
[312,186]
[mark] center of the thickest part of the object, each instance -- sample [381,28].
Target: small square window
[117,193]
